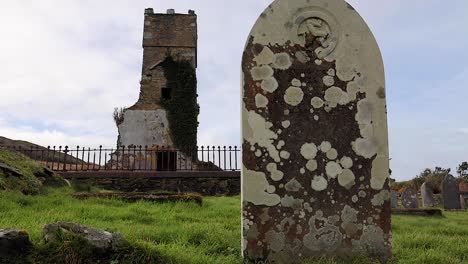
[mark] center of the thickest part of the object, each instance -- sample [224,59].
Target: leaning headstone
[393,199]
[451,193]
[315,151]
[409,198]
[427,192]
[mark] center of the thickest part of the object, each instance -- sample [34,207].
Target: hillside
[19,173]
[35,151]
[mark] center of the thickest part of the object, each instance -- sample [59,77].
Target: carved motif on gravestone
[451,193]
[315,151]
[409,198]
[427,191]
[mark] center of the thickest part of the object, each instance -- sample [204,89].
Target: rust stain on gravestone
[315,149]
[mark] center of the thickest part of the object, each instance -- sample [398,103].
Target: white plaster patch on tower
[255,189]
[260,133]
[319,183]
[139,129]
[270,84]
[316,102]
[346,178]
[265,57]
[331,72]
[276,174]
[309,151]
[261,101]
[282,61]
[293,96]
[286,123]
[261,72]
[333,169]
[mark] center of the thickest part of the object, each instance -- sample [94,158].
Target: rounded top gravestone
[315,140]
[409,198]
[451,193]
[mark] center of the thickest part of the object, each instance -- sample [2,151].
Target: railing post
[53,158]
[214,159]
[111,161]
[230,158]
[89,153]
[100,152]
[65,159]
[146,157]
[48,156]
[219,156]
[105,159]
[82,158]
[235,157]
[77,157]
[224,147]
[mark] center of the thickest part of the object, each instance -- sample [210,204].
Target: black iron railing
[134,158]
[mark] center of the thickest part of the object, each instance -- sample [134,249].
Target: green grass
[188,233]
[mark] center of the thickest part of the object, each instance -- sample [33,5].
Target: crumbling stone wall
[166,36]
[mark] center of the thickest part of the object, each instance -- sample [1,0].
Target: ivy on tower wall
[182,106]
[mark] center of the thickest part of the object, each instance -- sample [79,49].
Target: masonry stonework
[165,35]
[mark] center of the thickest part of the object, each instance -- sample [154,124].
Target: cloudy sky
[65,65]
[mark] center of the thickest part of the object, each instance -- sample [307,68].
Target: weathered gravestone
[451,193]
[409,198]
[315,151]
[427,191]
[393,199]
[462,202]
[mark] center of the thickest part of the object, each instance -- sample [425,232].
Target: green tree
[462,170]
[434,177]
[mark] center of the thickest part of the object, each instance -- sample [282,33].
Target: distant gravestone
[451,193]
[462,202]
[409,198]
[393,199]
[315,151]
[427,192]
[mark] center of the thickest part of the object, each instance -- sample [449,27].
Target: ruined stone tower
[168,84]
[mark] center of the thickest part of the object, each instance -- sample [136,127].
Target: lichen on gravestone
[315,140]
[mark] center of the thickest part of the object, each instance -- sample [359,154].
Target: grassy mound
[33,176]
